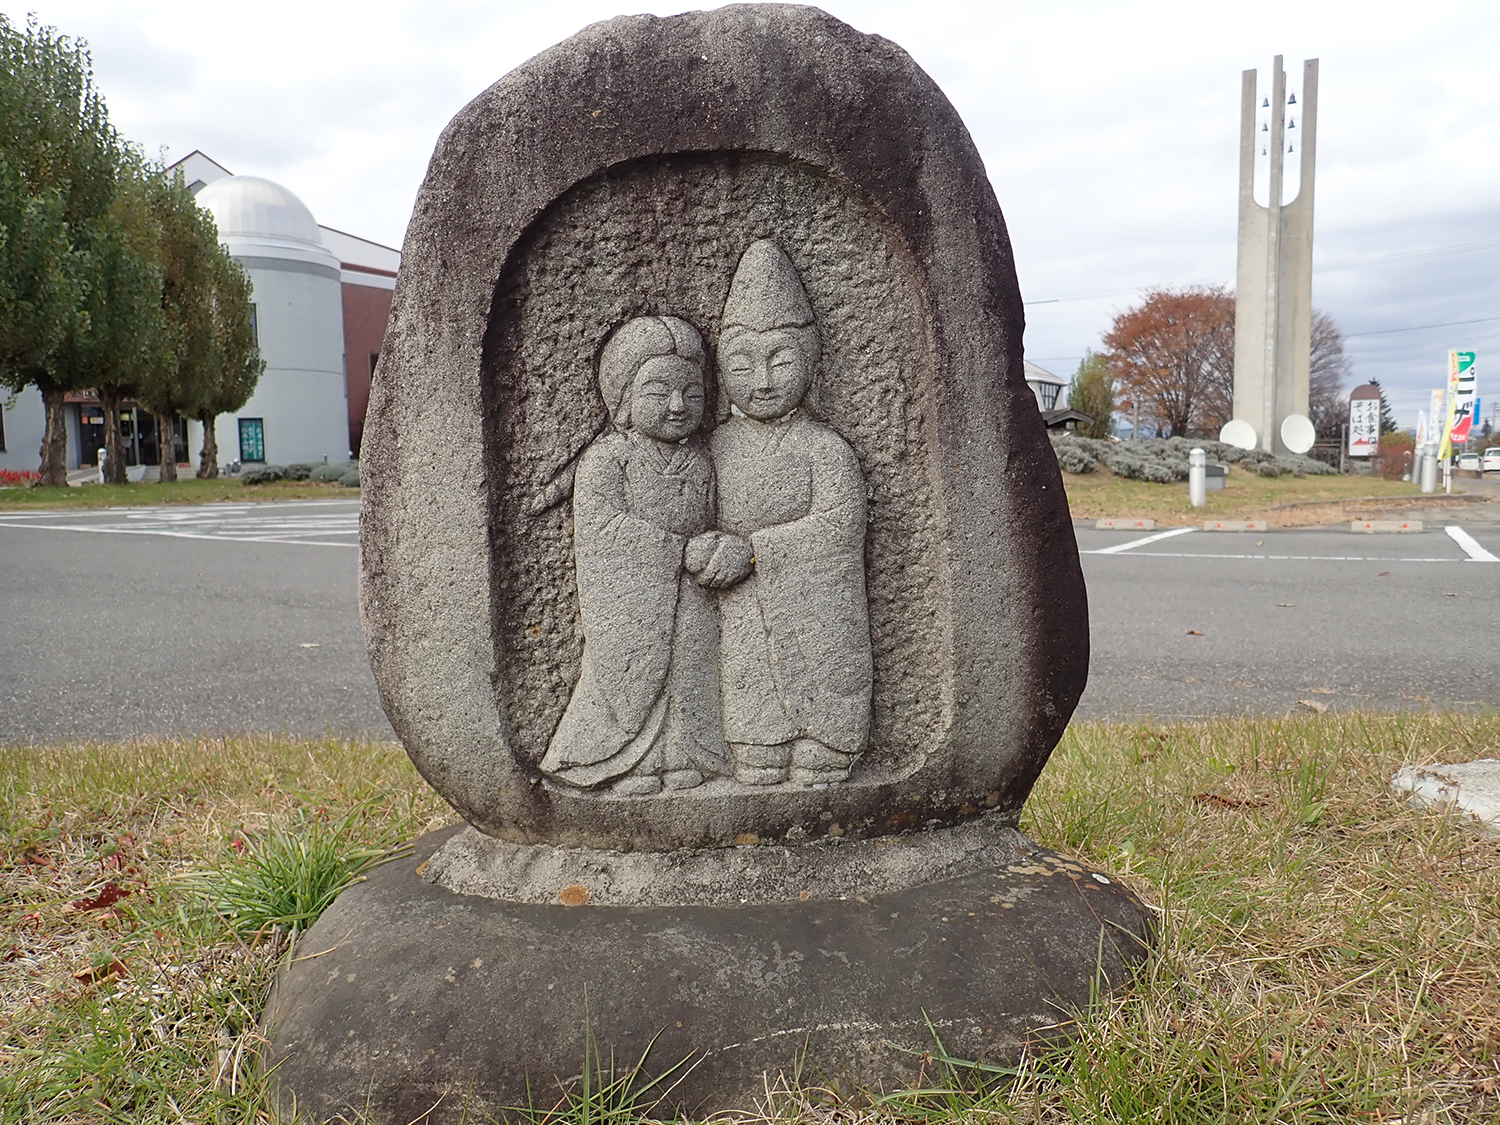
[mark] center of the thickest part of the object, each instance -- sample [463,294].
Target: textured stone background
[663,235]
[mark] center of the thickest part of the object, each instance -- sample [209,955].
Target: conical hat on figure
[766,292]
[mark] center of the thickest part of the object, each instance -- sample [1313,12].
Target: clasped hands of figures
[719,559]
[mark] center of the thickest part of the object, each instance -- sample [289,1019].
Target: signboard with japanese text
[1364,421]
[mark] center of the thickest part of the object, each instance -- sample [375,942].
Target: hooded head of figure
[768,344]
[651,376]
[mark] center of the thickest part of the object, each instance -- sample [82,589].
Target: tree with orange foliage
[1174,355]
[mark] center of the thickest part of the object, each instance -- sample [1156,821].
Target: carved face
[766,373]
[667,398]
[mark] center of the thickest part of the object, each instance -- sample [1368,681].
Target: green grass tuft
[288,877]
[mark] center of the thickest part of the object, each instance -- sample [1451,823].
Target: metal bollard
[1197,478]
[1428,475]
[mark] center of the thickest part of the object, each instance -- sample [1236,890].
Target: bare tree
[1174,354]
[1328,407]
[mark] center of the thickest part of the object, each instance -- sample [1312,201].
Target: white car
[1490,460]
[1467,461]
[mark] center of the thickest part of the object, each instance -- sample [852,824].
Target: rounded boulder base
[408,999]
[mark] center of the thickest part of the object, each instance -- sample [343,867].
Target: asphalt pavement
[1188,623]
[229,618]
[183,620]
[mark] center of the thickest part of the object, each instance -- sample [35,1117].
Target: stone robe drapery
[647,697]
[794,636]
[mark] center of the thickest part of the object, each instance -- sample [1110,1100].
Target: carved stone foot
[638,786]
[816,764]
[760,775]
[756,764]
[681,779]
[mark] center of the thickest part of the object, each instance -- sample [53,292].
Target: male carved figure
[796,669]
[645,712]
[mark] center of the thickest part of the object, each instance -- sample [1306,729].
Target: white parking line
[243,524]
[1292,558]
[1469,545]
[1118,547]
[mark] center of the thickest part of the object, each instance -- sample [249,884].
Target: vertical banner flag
[1437,416]
[1364,421]
[1421,428]
[1461,401]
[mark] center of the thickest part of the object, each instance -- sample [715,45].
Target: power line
[1403,256]
[1421,327]
[1410,255]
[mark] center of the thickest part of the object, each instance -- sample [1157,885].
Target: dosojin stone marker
[716,568]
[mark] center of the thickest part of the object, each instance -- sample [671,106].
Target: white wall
[301,396]
[24,425]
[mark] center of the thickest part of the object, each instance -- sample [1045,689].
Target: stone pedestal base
[407,997]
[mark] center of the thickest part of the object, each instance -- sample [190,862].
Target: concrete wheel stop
[716,568]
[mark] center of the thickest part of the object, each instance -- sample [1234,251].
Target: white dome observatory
[299,411]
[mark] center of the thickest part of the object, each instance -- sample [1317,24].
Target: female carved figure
[796,665]
[645,712]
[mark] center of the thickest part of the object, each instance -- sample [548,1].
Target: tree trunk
[208,461]
[114,441]
[166,441]
[54,451]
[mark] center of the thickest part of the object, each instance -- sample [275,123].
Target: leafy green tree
[59,160]
[189,254]
[1093,393]
[128,342]
[239,365]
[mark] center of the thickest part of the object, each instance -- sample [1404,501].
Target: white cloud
[1109,131]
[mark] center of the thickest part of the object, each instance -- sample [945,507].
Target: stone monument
[1273,286]
[716,568]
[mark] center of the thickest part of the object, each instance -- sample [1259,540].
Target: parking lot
[1189,622]
[242,617]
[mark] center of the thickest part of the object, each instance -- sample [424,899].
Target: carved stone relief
[728,633]
[721,582]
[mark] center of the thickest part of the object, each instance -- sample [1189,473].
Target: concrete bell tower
[1273,289]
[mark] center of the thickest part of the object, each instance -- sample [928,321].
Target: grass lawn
[1325,953]
[188,491]
[1245,496]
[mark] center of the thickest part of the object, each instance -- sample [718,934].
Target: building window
[252,439]
[254,327]
[1049,395]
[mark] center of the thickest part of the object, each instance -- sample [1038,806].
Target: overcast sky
[1110,131]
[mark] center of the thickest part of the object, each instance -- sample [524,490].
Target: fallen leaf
[1382,574]
[1227,802]
[1314,705]
[310,646]
[97,973]
[574,895]
[1286,605]
[1194,633]
[111,894]
[1449,594]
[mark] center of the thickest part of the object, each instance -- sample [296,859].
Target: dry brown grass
[1100,494]
[1326,954]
